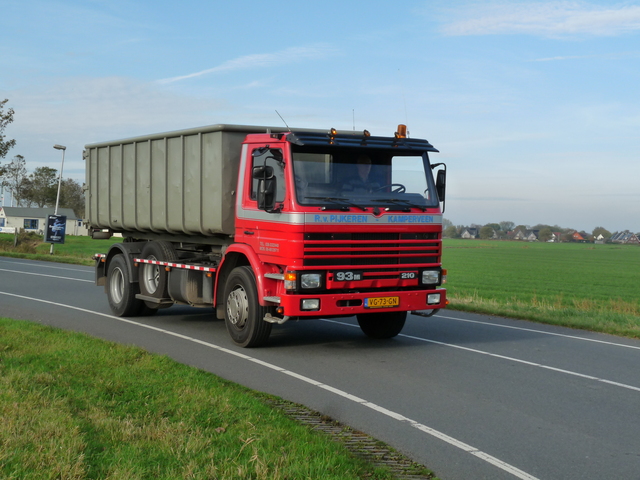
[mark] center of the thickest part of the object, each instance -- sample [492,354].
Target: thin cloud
[289,55]
[610,56]
[561,58]
[546,19]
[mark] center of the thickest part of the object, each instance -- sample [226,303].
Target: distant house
[470,233]
[580,237]
[35,220]
[519,235]
[599,239]
[625,237]
[527,235]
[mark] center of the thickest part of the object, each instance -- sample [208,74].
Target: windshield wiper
[402,202]
[336,200]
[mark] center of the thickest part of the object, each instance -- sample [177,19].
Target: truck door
[262,224]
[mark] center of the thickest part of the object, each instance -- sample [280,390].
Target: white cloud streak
[549,19]
[77,111]
[607,56]
[287,56]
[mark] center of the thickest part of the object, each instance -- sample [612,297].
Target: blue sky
[534,106]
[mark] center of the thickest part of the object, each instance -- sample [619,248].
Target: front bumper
[347,304]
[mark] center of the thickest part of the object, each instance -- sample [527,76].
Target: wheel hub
[117,285]
[238,307]
[151,275]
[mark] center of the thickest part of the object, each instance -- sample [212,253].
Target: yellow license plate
[381,302]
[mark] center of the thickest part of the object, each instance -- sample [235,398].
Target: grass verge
[74,407]
[75,250]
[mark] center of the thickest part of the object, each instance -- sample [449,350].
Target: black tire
[121,293]
[244,316]
[381,324]
[153,279]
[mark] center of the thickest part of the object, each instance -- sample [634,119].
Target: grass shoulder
[76,407]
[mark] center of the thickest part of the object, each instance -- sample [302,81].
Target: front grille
[371,249]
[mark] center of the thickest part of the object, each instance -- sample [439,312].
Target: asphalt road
[469,396]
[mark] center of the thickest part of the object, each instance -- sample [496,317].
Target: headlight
[433,299]
[310,304]
[430,277]
[310,280]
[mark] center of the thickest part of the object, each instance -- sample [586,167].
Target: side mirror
[266,195]
[441,184]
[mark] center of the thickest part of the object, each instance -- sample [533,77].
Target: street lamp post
[58,147]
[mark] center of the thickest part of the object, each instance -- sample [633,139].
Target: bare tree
[5,119]
[14,175]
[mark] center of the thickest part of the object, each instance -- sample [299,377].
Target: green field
[594,287]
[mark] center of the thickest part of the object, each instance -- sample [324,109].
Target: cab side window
[269,158]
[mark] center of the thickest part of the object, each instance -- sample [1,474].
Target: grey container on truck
[176,186]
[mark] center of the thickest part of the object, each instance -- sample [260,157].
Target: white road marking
[525,362]
[43,264]
[45,275]
[574,337]
[510,359]
[396,416]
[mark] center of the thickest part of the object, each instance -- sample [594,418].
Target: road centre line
[396,416]
[526,362]
[574,337]
[504,357]
[45,275]
[43,264]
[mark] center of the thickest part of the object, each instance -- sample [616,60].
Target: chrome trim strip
[274,276]
[337,219]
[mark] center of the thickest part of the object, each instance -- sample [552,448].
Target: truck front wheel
[121,293]
[381,324]
[244,316]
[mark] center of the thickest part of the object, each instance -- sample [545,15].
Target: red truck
[266,225]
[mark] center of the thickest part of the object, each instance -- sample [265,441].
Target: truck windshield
[343,180]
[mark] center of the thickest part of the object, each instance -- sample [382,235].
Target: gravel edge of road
[357,443]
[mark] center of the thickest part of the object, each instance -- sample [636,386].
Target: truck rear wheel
[381,324]
[244,316]
[153,278]
[121,293]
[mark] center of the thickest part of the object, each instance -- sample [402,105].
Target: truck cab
[350,224]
